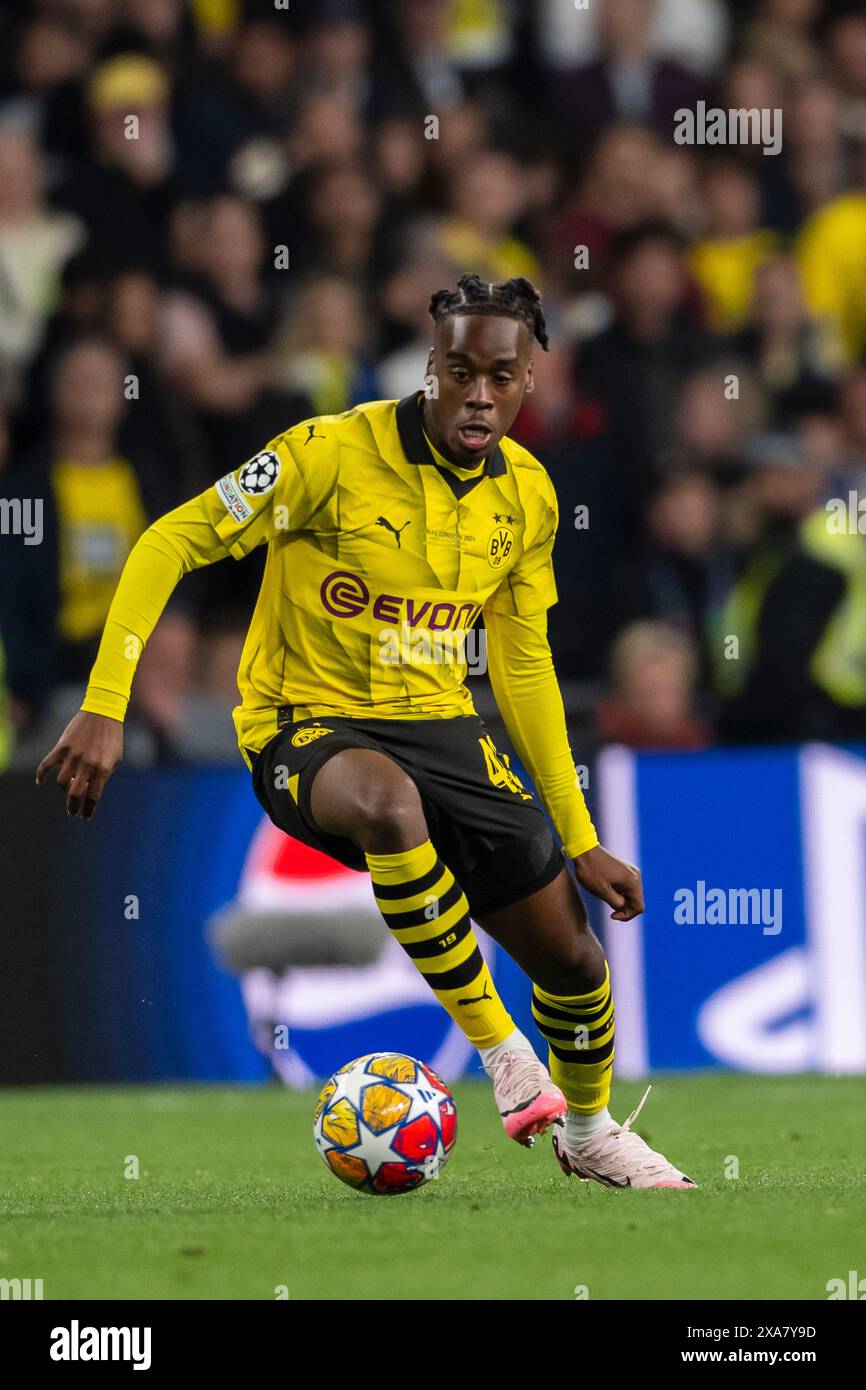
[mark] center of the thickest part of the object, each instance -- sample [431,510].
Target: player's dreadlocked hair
[515,299]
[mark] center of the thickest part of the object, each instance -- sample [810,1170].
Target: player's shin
[426,909]
[579,1031]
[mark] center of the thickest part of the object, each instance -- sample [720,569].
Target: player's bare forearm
[86,754]
[618,884]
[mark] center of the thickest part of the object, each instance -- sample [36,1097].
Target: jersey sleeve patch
[232,500]
[260,474]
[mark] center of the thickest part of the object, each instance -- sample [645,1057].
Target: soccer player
[389,526]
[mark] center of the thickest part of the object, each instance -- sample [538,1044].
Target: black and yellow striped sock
[427,911]
[579,1032]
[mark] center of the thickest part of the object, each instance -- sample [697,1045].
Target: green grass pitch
[233,1201]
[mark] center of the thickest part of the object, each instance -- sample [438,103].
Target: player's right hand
[86,754]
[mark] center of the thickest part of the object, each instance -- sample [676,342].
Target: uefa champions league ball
[385,1123]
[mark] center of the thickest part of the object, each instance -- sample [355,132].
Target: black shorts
[486,826]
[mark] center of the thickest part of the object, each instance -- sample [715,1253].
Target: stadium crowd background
[260,244]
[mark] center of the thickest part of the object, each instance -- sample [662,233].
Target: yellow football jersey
[371,542]
[381,555]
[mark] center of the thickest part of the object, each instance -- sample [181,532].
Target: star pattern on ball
[412,1142]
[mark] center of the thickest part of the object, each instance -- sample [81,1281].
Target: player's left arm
[523,678]
[275,491]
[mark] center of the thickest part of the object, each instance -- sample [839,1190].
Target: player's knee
[388,814]
[570,978]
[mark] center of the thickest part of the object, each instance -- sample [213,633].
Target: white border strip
[833,819]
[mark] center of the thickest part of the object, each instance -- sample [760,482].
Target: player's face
[481,366]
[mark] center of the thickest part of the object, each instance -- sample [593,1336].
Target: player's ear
[430,359]
[530,378]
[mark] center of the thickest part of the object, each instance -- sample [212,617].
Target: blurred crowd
[219,217]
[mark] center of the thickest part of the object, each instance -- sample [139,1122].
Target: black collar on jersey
[417,450]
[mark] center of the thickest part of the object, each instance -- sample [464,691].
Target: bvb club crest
[501,542]
[305,736]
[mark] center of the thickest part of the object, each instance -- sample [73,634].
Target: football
[385,1123]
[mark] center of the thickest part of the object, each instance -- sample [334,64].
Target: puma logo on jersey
[383,521]
[311,433]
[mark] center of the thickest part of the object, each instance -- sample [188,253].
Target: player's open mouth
[474,436]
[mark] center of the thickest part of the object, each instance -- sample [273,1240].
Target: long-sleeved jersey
[381,556]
